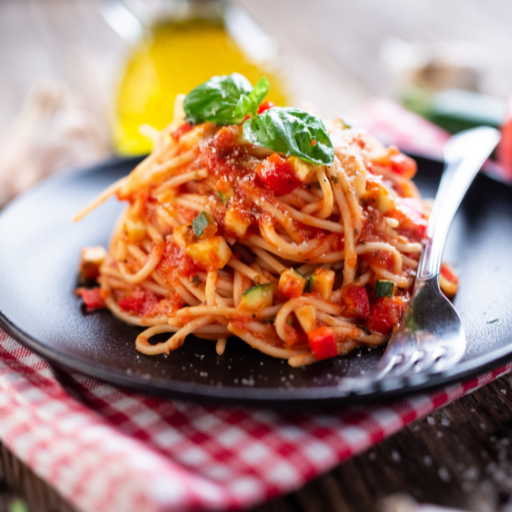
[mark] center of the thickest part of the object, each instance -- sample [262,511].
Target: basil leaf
[249,105]
[292,132]
[216,100]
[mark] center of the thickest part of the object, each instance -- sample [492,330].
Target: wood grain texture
[460,455]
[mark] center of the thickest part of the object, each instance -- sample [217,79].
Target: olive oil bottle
[191,41]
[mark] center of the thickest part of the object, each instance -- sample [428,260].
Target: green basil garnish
[228,99]
[216,100]
[249,104]
[200,223]
[384,288]
[292,132]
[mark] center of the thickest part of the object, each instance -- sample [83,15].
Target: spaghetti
[226,238]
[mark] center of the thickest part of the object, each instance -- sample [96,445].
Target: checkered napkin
[108,450]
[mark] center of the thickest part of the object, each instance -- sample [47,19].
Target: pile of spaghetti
[227,237]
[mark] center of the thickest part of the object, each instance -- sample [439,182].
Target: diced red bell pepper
[399,163]
[278,174]
[140,302]
[356,301]
[92,298]
[265,106]
[409,212]
[321,342]
[448,274]
[385,314]
[403,165]
[504,150]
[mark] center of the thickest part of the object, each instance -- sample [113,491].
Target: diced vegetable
[225,190]
[135,230]
[377,195]
[284,176]
[321,282]
[278,174]
[321,342]
[306,315]
[448,280]
[258,297]
[403,165]
[384,288]
[302,170]
[92,297]
[141,302]
[385,314]
[204,226]
[211,254]
[400,164]
[409,213]
[237,222]
[184,235]
[355,301]
[265,106]
[91,259]
[291,283]
[504,150]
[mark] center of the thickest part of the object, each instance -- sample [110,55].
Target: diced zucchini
[237,222]
[384,288]
[204,226]
[258,297]
[135,230]
[211,254]
[306,315]
[91,259]
[302,170]
[321,282]
[291,283]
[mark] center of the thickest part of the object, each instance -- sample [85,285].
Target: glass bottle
[184,43]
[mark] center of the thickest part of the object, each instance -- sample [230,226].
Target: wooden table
[460,455]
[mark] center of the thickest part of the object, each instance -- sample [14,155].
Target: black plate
[38,269]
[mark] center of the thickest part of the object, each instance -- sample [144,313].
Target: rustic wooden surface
[460,456]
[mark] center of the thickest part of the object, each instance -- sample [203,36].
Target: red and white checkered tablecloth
[108,450]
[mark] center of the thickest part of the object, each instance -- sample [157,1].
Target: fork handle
[464,154]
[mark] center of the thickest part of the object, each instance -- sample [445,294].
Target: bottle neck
[151,12]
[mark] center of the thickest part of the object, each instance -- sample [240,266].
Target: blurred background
[80,77]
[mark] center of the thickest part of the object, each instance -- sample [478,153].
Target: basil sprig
[228,99]
[248,105]
[216,100]
[292,132]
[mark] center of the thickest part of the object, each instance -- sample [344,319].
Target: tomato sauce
[175,263]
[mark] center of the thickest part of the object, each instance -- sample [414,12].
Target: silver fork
[430,337]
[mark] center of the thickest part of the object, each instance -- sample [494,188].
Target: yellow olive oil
[173,58]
